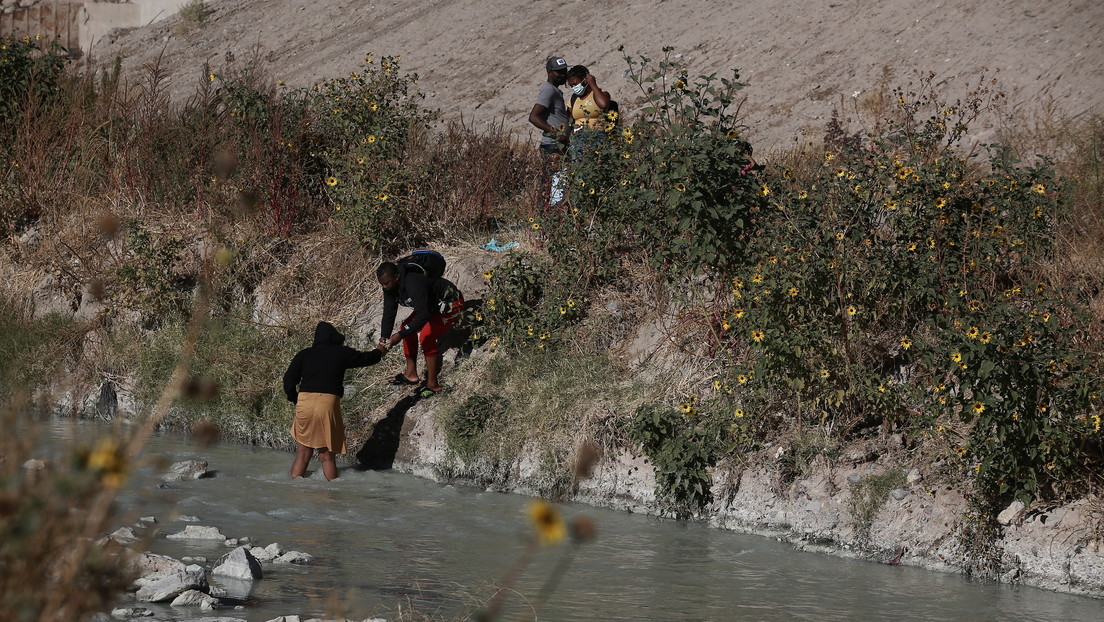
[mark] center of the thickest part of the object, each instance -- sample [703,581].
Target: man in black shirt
[436,303]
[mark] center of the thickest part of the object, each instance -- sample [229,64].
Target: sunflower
[979,407]
[681,187]
[331,181]
[851,310]
[906,343]
[757,335]
[547,521]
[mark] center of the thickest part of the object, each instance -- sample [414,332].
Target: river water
[385,543]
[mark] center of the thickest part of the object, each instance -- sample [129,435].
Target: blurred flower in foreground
[547,521]
[109,458]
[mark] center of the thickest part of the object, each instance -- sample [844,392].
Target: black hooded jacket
[424,294]
[321,367]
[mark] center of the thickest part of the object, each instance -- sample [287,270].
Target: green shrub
[682,452]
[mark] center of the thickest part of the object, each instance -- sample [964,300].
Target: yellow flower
[679,85]
[956,357]
[906,343]
[725,325]
[824,373]
[839,236]
[109,459]
[793,292]
[851,310]
[764,190]
[210,77]
[371,139]
[331,181]
[280,83]
[627,135]
[570,302]
[536,225]
[732,134]
[547,521]
[985,337]
[381,196]
[972,332]
[488,273]
[738,413]
[757,335]
[890,204]
[360,160]
[1039,188]
[681,187]
[979,407]
[802,195]
[940,202]
[742,379]
[563,310]
[686,407]
[757,278]
[738,313]
[612,115]
[840,172]
[1046,317]
[373,106]
[625,154]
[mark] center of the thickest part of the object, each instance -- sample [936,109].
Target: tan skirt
[318,423]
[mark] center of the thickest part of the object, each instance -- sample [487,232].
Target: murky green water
[384,540]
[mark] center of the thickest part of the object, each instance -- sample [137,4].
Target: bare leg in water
[302,457]
[329,465]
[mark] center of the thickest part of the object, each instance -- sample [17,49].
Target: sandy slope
[484,59]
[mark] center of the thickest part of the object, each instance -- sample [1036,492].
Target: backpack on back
[426,261]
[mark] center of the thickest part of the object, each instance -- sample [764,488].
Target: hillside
[482,60]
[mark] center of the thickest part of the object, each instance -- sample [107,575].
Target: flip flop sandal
[425,392]
[400,380]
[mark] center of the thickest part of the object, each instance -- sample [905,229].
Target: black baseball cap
[556,64]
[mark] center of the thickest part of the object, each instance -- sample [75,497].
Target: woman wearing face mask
[587,109]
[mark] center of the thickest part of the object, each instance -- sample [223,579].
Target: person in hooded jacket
[437,304]
[315,382]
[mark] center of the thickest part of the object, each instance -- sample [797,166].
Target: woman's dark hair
[578,71]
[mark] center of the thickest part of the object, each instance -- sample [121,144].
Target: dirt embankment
[483,60]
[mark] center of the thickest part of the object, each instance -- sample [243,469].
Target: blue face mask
[579,88]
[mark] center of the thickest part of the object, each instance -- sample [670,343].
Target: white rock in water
[188,469]
[285,619]
[268,553]
[131,612]
[34,464]
[197,532]
[195,598]
[238,564]
[294,557]
[171,585]
[123,535]
[148,565]
[148,519]
[187,518]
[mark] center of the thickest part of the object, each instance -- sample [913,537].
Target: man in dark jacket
[319,372]
[436,303]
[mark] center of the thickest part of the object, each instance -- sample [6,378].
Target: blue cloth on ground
[493,245]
